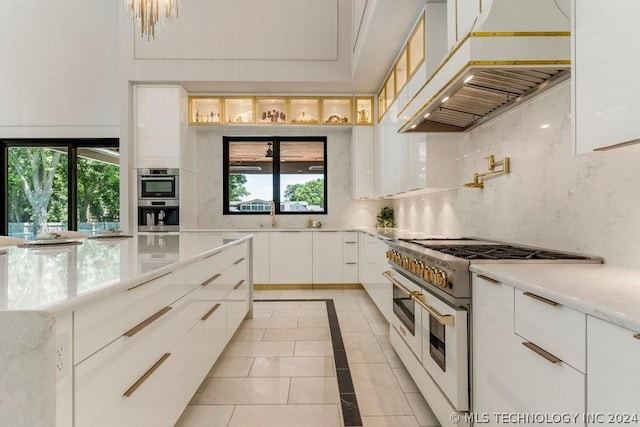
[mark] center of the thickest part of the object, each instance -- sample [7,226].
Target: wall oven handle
[443,319]
[397,284]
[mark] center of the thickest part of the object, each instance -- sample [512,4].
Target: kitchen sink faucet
[273,214]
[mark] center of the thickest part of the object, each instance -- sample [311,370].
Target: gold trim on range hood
[483,89]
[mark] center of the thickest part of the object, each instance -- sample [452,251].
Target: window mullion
[276,174]
[72,187]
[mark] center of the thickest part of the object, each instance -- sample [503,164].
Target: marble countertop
[607,292]
[58,279]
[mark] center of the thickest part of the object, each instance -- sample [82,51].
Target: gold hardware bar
[489,279]
[539,298]
[213,254]
[210,312]
[443,319]
[149,281]
[239,284]
[238,261]
[637,336]
[550,357]
[397,284]
[350,263]
[140,326]
[146,375]
[211,279]
[402,331]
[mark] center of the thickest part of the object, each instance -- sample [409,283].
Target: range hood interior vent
[486,93]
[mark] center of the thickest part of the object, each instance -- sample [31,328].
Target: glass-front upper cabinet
[336,111]
[382,99]
[364,111]
[401,71]
[304,111]
[390,90]
[204,110]
[239,110]
[272,110]
[416,47]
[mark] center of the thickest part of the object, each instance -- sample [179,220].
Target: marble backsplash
[343,211]
[552,198]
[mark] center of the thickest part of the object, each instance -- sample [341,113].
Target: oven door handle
[158,178]
[443,319]
[398,285]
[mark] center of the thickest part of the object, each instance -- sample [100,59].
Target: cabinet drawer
[350,237]
[235,253]
[237,302]
[558,330]
[350,272]
[205,341]
[540,386]
[96,325]
[132,379]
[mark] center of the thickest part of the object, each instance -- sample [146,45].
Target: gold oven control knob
[441,279]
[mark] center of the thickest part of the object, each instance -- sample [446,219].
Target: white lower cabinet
[290,259]
[373,262]
[528,353]
[613,353]
[492,332]
[328,255]
[129,380]
[147,374]
[261,257]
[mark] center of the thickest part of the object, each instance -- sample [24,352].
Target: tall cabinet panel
[604,73]
[157,126]
[363,163]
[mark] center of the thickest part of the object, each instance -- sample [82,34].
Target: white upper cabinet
[606,55]
[363,163]
[158,131]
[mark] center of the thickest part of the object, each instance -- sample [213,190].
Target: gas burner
[502,252]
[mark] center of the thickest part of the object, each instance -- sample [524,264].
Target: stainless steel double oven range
[432,303]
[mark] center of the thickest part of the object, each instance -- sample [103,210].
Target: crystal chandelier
[148,12]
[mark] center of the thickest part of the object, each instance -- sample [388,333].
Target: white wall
[553,199]
[343,212]
[59,69]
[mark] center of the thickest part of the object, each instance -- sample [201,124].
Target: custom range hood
[514,50]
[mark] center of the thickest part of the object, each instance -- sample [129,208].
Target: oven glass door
[445,347]
[404,308]
[163,188]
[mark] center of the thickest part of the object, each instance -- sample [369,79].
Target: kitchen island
[117,331]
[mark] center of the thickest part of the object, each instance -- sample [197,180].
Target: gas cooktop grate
[497,252]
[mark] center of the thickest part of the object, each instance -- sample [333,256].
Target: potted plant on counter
[385,218]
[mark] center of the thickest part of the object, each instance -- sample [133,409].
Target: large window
[286,174]
[50,185]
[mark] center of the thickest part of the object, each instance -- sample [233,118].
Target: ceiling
[368,35]
[252,152]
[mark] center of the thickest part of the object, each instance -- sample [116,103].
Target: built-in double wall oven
[158,200]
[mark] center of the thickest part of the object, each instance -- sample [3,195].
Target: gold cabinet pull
[550,357]
[637,336]
[149,281]
[146,375]
[213,254]
[210,312]
[238,261]
[351,263]
[140,326]
[211,279]
[443,319]
[541,299]
[489,279]
[239,284]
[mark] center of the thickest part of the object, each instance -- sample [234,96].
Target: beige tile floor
[279,370]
